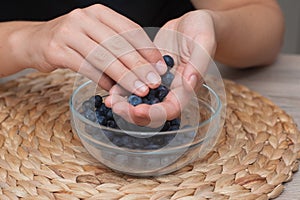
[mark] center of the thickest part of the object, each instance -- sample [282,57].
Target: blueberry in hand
[167,78]
[109,114]
[101,120]
[96,100]
[102,109]
[168,60]
[154,101]
[134,100]
[162,92]
[146,100]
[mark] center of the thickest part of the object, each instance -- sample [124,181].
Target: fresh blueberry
[102,120]
[90,114]
[109,134]
[152,147]
[154,101]
[168,60]
[169,137]
[167,79]
[162,92]
[87,105]
[175,121]
[109,114]
[174,127]
[103,109]
[166,126]
[158,139]
[111,124]
[118,141]
[96,100]
[152,93]
[134,100]
[146,100]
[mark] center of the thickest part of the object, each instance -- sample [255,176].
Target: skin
[241,34]
[222,30]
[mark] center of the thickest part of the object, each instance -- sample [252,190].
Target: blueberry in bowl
[145,151]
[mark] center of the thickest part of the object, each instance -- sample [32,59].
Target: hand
[99,43]
[191,40]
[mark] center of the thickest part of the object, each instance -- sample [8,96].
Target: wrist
[20,44]
[219,25]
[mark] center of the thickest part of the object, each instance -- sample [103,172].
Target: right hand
[97,42]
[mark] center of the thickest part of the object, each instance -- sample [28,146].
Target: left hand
[191,41]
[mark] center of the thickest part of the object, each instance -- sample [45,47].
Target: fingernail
[153,78]
[140,86]
[161,67]
[193,81]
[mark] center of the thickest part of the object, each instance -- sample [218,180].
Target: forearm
[248,34]
[14,46]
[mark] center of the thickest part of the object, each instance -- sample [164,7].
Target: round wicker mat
[40,157]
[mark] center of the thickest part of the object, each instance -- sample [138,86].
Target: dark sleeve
[147,13]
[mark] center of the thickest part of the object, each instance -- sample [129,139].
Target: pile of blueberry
[95,110]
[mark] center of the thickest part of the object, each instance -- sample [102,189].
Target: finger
[121,107]
[142,115]
[77,63]
[201,47]
[117,89]
[123,51]
[103,60]
[166,40]
[131,31]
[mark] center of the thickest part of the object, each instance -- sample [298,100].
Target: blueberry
[152,93]
[168,60]
[166,126]
[103,109]
[154,101]
[152,147]
[162,92]
[167,79]
[174,127]
[118,141]
[109,134]
[111,124]
[169,137]
[159,140]
[146,100]
[109,114]
[134,100]
[96,100]
[102,120]
[90,114]
[175,121]
[87,105]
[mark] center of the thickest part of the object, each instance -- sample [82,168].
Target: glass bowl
[200,126]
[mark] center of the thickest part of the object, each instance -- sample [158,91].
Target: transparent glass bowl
[198,132]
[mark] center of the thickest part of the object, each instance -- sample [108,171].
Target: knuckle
[76,14]
[139,65]
[152,54]
[97,7]
[54,54]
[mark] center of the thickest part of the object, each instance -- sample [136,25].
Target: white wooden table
[280,83]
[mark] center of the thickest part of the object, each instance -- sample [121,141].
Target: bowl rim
[216,112]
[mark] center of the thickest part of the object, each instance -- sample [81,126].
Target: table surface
[280,83]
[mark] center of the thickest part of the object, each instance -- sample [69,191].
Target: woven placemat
[40,157]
